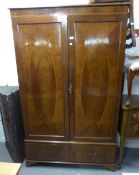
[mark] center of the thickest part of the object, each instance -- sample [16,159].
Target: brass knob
[92,153]
[134,115]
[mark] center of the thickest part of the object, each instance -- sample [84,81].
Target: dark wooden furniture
[12,122]
[70,62]
[129,122]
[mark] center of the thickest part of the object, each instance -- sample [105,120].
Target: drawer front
[93,153]
[133,130]
[73,153]
[47,152]
[133,116]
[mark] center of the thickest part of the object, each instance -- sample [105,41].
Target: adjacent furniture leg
[129,86]
[123,135]
[30,163]
[111,167]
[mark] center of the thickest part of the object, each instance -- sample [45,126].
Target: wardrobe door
[96,53]
[42,68]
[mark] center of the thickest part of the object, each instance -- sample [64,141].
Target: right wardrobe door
[96,48]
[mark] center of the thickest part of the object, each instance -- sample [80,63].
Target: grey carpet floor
[130,165]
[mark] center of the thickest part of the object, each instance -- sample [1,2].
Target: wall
[8,73]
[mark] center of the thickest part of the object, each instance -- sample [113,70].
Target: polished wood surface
[93,153]
[9,168]
[70,62]
[42,68]
[71,152]
[128,123]
[95,75]
[47,152]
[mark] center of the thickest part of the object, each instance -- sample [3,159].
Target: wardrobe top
[78,5]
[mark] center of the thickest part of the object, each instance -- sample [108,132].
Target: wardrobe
[70,64]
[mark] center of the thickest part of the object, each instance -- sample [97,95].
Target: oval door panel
[95,83]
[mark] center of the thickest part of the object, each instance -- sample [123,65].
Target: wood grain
[95,57]
[42,69]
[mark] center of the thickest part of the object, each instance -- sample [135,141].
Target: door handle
[70,90]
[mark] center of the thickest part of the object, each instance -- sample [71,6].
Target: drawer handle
[48,152]
[92,154]
[136,116]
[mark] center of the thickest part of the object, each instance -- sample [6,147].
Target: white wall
[136,13]
[8,74]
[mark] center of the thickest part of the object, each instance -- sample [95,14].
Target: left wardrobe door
[42,62]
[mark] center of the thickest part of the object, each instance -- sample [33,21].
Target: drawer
[93,153]
[133,130]
[133,116]
[73,153]
[47,151]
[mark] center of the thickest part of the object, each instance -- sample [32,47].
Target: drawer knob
[48,152]
[92,154]
[134,115]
